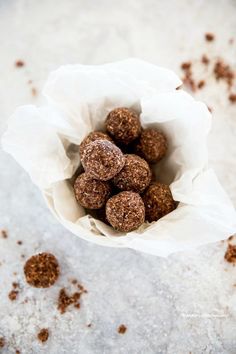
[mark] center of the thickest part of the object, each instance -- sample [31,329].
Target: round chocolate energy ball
[158,201]
[123,124]
[151,145]
[41,270]
[91,193]
[125,211]
[135,175]
[93,136]
[102,160]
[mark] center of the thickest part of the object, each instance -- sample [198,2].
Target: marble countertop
[185,303]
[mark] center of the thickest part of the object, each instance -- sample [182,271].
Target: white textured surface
[182,304]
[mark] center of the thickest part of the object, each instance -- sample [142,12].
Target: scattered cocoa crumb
[201,84]
[188,76]
[210,109]
[74,281]
[22,256]
[231,40]
[43,335]
[205,59]
[230,254]
[122,329]
[232,97]
[13,295]
[19,63]
[65,300]
[41,270]
[15,285]
[17,351]
[179,87]
[209,37]
[4,234]
[19,242]
[14,273]
[89,325]
[82,289]
[34,91]
[223,72]
[2,342]
[186,65]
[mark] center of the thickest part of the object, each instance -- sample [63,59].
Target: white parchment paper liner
[45,142]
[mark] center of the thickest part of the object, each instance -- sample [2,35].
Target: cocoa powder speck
[209,37]
[122,329]
[13,294]
[43,335]
[230,254]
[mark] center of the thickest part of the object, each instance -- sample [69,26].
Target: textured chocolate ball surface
[152,145]
[123,124]
[93,136]
[135,175]
[102,160]
[41,270]
[158,201]
[91,193]
[125,211]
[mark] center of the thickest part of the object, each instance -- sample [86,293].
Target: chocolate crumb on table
[186,65]
[232,97]
[122,329]
[65,300]
[4,234]
[13,294]
[205,60]
[41,270]
[15,285]
[43,335]
[188,76]
[209,37]
[223,71]
[17,351]
[230,254]
[2,342]
[201,84]
[19,242]
[19,63]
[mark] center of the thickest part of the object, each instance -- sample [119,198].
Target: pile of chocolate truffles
[117,181]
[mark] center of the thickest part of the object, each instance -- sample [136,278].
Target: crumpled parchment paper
[45,140]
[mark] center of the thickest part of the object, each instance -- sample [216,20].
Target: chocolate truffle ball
[41,270]
[151,145]
[102,160]
[91,193]
[125,211]
[123,125]
[158,201]
[92,137]
[135,175]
